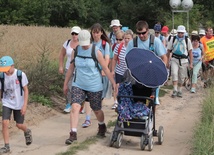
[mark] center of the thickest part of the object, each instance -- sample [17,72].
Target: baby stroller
[139,124]
[136,97]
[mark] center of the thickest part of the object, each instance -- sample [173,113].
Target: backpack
[119,49]
[19,76]
[93,56]
[151,42]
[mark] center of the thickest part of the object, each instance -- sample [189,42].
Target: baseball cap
[5,63]
[157,27]
[84,38]
[76,29]
[181,29]
[115,22]
[202,32]
[173,32]
[165,29]
[194,32]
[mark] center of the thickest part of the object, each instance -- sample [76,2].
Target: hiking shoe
[28,137]
[101,130]
[192,90]
[174,94]
[73,137]
[86,124]
[114,106]
[179,94]
[4,150]
[67,108]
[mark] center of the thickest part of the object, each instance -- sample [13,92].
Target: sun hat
[5,63]
[76,29]
[115,22]
[157,27]
[194,32]
[173,32]
[84,38]
[202,32]
[165,29]
[181,29]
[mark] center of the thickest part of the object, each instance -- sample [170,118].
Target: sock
[88,117]
[175,87]
[7,146]
[101,123]
[74,129]
[116,102]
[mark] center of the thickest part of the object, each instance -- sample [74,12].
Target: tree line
[67,13]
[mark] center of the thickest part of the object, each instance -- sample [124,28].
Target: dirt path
[178,117]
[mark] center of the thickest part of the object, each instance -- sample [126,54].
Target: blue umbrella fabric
[146,68]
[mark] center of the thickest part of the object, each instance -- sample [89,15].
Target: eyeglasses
[139,33]
[73,33]
[119,39]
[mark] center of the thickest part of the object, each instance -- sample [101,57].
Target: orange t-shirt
[208,48]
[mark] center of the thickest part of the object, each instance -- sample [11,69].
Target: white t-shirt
[12,96]
[68,53]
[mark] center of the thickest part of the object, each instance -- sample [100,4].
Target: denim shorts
[6,114]
[94,98]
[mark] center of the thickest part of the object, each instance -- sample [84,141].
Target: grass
[203,140]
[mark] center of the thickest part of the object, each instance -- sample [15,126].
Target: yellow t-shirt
[208,48]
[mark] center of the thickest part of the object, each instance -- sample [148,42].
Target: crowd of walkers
[95,65]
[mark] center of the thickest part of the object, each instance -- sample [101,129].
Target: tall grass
[203,140]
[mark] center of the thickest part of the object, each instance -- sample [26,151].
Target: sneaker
[192,90]
[73,137]
[101,130]
[174,94]
[67,108]
[179,94]
[28,137]
[86,124]
[114,106]
[4,150]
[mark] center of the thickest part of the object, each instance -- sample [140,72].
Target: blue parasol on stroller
[146,68]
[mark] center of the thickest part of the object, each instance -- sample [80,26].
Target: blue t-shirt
[158,46]
[87,75]
[196,52]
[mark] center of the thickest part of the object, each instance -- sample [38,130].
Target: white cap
[202,32]
[194,32]
[84,38]
[115,22]
[181,28]
[76,29]
[173,32]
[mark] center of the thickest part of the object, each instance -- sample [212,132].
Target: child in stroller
[136,114]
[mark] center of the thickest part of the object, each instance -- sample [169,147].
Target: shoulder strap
[2,83]
[169,38]
[19,76]
[111,35]
[68,42]
[135,42]
[114,46]
[186,40]
[151,42]
[104,44]
[173,39]
[118,52]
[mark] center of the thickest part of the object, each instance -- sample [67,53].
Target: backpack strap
[135,42]
[111,34]
[104,44]
[114,46]
[169,38]
[19,76]
[2,83]
[118,52]
[186,40]
[151,42]
[68,42]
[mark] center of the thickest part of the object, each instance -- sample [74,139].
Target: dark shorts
[94,98]
[206,67]
[6,114]
[118,78]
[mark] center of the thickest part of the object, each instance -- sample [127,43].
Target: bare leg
[74,115]
[5,131]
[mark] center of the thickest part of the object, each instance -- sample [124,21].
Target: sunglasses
[119,39]
[73,33]
[180,32]
[157,32]
[139,33]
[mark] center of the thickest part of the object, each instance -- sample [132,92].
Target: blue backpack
[19,76]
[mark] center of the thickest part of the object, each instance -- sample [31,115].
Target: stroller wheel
[151,142]
[160,135]
[119,140]
[142,142]
[111,140]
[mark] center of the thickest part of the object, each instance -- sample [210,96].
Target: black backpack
[151,42]
[19,76]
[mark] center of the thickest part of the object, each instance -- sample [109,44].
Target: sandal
[86,124]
